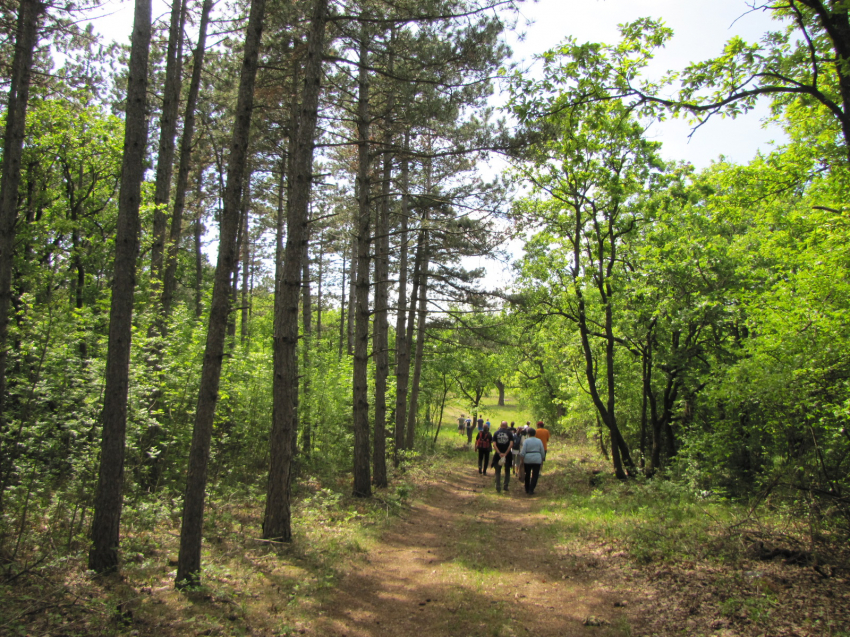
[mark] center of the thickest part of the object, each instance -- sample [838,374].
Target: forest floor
[442,554]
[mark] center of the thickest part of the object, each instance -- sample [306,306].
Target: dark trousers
[532,473]
[483,459]
[498,468]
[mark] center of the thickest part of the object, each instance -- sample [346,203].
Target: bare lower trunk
[189,558]
[246,265]
[167,134]
[29,13]
[170,276]
[362,482]
[403,388]
[103,555]
[420,345]
[277,517]
[501,387]
[306,343]
[402,358]
[342,308]
[380,342]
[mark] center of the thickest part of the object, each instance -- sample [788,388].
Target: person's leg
[527,477]
[535,474]
[486,460]
[508,466]
[480,458]
[498,469]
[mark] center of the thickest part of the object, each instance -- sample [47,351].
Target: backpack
[482,442]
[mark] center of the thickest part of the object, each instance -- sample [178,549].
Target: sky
[700,27]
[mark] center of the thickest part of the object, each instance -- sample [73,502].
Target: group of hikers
[521,449]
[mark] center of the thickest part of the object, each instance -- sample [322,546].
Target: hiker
[469,429]
[460,423]
[480,424]
[483,442]
[517,435]
[543,434]
[533,455]
[503,442]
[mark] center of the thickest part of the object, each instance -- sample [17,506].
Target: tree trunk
[306,343]
[352,290]
[403,388]
[29,13]
[277,517]
[170,278]
[380,342]
[167,134]
[103,555]
[189,559]
[342,330]
[420,341]
[362,482]
[501,387]
[402,357]
[246,264]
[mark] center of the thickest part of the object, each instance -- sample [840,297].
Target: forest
[241,285]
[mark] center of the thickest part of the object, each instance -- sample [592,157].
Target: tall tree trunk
[246,264]
[197,234]
[277,518]
[403,388]
[306,343]
[189,558]
[352,289]
[103,555]
[380,338]
[167,134]
[380,343]
[342,330]
[29,13]
[402,357]
[362,482]
[420,340]
[170,278]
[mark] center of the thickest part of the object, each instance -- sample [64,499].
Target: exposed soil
[468,561]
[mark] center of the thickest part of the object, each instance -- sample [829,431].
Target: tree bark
[277,518]
[306,343]
[403,388]
[103,556]
[362,482]
[380,340]
[167,134]
[170,277]
[420,341]
[189,558]
[501,387]
[402,358]
[246,264]
[29,13]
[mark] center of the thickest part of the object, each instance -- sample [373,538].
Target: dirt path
[466,561]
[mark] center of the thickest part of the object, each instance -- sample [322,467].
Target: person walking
[517,433]
[460,424]
[503,442]
[483,442]
[543,434]
[533,454]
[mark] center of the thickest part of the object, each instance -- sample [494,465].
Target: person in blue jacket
[533,454]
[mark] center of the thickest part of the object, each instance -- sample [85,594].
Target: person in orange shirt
[543,434]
